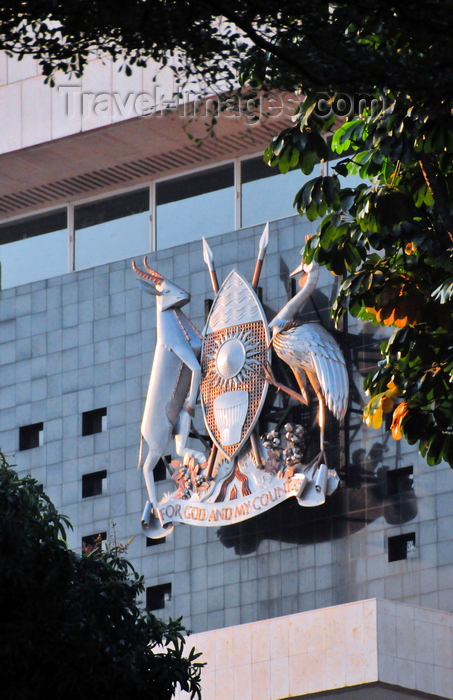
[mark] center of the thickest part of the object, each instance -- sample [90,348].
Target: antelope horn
[139,272]
[157,277]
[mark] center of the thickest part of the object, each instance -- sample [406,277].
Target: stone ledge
[367,650]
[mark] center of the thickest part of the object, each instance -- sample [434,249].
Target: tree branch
[259,41]
[437,189]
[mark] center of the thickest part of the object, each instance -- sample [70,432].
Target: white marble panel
[126,91]
[3,68]
[66,106]
[97,95]
[36,112]
[10,117]
[21,70]
[160,86]
[348,655]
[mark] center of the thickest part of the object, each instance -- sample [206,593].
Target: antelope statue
[173,385]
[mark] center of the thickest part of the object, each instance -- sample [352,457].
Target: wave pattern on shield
[235,347]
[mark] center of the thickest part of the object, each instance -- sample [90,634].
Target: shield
[235,348]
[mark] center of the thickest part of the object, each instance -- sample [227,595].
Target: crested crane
[311,352]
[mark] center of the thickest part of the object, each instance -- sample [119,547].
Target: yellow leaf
[371,310]
[377,419]
[400,411]
[393,390]
[390,319]
[387,404]
[396,432]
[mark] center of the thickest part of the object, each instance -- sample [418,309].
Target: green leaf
[317,191]
[435,447]
[331,187]
[307,161]
[312,212]
[285,158]
[342,138]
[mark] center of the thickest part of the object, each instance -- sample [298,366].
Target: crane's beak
[298,270]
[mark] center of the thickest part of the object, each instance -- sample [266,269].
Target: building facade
[88,186]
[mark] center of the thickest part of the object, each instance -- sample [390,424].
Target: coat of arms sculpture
[229,368]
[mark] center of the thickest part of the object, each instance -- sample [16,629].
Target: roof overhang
[122,155]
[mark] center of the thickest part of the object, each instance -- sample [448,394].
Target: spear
[208,257]
[209,260]
[264,241]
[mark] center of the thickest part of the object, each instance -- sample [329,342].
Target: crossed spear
[208,257]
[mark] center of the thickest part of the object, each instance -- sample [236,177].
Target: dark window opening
[94,421]
[151,543]
[207,307]
[157,595]
[111,208]
[31,436]
[160,470]
[256,169]
[400,546]
[399,480]
[92,483]
[92,542]
[193,185]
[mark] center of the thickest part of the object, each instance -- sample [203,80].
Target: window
[152,543]
[27,255]
[207,308]
[31,436]
[195,205]
[160,470]
[92,483]
[156,596]
[399,480]
[92,542]
[111,229]
[266,193]
[206,202]
[94,421]
[400,546]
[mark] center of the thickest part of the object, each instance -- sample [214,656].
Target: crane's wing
[311,348]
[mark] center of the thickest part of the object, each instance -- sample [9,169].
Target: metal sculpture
[311,352]
[244,474]
[173,385]
[235,348]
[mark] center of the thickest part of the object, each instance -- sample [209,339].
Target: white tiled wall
[85,340]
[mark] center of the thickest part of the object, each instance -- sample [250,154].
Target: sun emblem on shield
[234,358]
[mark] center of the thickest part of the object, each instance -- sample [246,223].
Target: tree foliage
[70,624]
[320,45]
[391,238]
[391,243]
